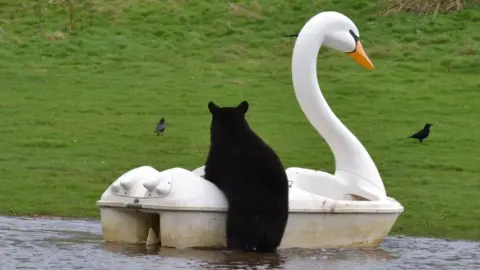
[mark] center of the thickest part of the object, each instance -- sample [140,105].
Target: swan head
[339,33]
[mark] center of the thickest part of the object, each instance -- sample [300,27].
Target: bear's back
[245,161]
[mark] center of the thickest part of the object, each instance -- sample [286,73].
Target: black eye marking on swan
[356,38]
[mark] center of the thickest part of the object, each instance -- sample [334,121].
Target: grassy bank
[80,98]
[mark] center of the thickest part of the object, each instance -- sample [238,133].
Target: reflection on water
[34,243]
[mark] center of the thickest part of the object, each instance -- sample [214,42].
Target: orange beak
[361,57]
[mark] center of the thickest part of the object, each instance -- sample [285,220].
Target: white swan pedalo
[178,208]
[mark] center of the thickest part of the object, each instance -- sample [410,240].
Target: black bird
[161,126]
[422,134]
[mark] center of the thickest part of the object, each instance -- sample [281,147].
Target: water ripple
[41,243]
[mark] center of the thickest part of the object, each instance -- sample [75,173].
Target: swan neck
[349,154]
[310,97]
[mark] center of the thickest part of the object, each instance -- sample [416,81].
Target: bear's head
[228,119]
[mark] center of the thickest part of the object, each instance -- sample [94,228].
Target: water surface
[41,243]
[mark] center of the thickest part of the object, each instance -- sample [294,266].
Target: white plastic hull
[186,229]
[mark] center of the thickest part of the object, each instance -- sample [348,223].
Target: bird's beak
[361,57]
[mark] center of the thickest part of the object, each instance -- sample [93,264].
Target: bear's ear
[212,107]
[243,106]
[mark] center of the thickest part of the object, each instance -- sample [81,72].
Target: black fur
[253,179]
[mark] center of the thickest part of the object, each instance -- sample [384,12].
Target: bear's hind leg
[274,222]
[244,229]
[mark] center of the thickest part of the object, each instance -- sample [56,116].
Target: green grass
[79,106]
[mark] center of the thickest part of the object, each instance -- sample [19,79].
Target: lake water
[41,243]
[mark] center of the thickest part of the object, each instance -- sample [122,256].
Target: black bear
[253,179]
